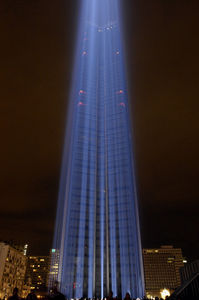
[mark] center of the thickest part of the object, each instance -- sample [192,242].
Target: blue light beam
[97,237]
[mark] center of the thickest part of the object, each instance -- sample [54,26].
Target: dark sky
[162,55]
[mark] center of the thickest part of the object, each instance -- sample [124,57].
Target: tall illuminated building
[97,237]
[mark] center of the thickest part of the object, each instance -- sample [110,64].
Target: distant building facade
[37,272]
[54,262]
[12,269]
[162,269]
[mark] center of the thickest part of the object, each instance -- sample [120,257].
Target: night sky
[161,39]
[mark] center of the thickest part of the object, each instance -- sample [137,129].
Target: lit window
[84,53]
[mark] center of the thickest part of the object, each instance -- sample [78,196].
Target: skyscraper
[97,238]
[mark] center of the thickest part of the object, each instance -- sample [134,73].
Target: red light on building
[81,103]
[82,92]
[119,92]
[122,104]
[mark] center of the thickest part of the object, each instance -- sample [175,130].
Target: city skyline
[163,268]
[35,84]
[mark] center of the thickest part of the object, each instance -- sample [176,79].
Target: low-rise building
[12,269]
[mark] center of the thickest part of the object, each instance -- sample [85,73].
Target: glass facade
[97,228]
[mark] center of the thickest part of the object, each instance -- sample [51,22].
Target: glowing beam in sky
[97,238]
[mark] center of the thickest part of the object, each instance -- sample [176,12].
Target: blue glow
[97,237]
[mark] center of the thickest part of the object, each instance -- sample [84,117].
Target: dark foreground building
[189,270]
[97,236]
[189,290]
